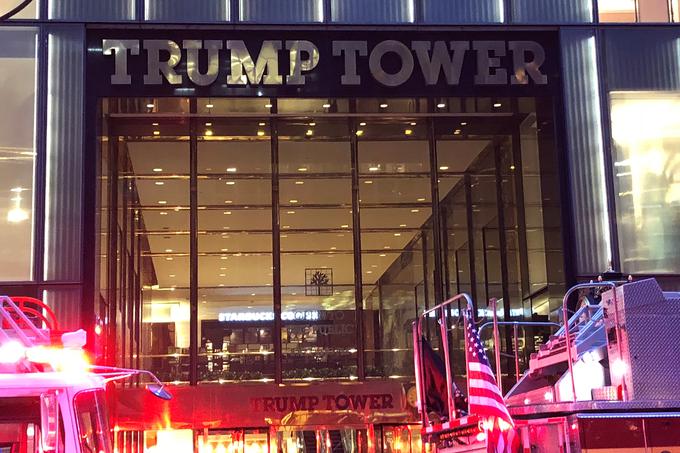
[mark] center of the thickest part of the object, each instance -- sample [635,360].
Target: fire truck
[51,398]
[608,379]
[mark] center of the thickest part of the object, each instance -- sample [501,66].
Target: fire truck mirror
[159,391]
[49,421]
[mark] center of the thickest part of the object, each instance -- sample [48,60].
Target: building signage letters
[322,63]
[342,401]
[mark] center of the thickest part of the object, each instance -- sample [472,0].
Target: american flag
[485,398]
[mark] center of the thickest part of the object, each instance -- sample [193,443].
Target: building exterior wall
[620,79]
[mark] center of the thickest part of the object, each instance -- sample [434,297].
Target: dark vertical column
[356,235]
[193,246]
[276,247]
[471,238]
[445,254]
[124,263]
[40,178]
[517,176]
[436,223]
[500,206]
[426,292]
[112,247]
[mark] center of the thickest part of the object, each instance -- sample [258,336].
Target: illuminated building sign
[257,316]
[309,62]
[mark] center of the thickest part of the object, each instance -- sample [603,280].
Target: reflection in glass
[17,151]
[645,130]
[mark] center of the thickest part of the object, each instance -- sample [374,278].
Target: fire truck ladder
[22,319]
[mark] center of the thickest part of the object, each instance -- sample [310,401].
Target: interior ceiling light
[163,213]
[262,124]
[421,199]
[408,132]
[368,182]
[309,132]
[227,213]
[441,105]
[290,212]
[157,170]
[302,169]
[231,170]
[268,105]
[208,124]
[373,168]
[149,105]
[363,123]
[260,133]
[156,132]
[159,183]
[312,124]
[326,105]
[17,214]
[209,105]
[299,183]
[456,132]
[498,105]
[444,167]
[231,183]
[413,123]
[208,132]
[463,123]
[383,105]
[154,124]
[415,210]
[360,133]
[292,201]
[162,202]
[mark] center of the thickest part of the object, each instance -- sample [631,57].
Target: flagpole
[496,345]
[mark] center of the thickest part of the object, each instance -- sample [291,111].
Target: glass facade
[306,242]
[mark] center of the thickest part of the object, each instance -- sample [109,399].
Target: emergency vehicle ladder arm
[6,316]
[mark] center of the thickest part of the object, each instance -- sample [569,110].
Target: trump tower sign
[330,63]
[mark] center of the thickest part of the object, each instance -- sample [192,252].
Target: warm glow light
[231,183]
[159,183]
[260,133]
[408,132]
[619,368]
[149,106]
[157,169]
[463,123]
[156,132]
[312,124]
[299,183]
[262,124]
[268,105]
[231,170]
[383,105]
[360,133]
[498,105]
[326,105]
[11,352]
[208,132]
[302,169]
[209,106]
[373,168]
[362,123]
[443,168]
[208,124]
[441,105]
[309,132]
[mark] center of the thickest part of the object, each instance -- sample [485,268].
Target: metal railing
[418,354]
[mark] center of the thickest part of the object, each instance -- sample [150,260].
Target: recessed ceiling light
[223,275]
[369,272]
[309,132]
[402,225]
[162,202]
[334,248]
[344,226]
[373,168]
[231,183]
[368,182]
[157,169]
[456,132]
[312,124]
[231,170]
[290,212]
[363,123]
[227,213]
[268,105]
[208,124]
[383,105]
[159,183]
[224,250]
[208,132]
[512,167]
[382,254]
[169,258]
[292,201]
[252,294]
[413,123]
[421,199]
[360,133]
[172,275]
[168,250]
[498,105]
[444,167]
[326,105]
[408,132]
[415,210]
[441,105]
[209,106]
[156,133]
[149,106]
[154,124]
[260,133]
[223,268]
[463,123]
[223,257]
[397,234]
[262,124]
[299,183]
[228,201]
[387,247]
[302,169]
[163,213]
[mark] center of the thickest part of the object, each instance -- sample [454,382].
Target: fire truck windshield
[93,421]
